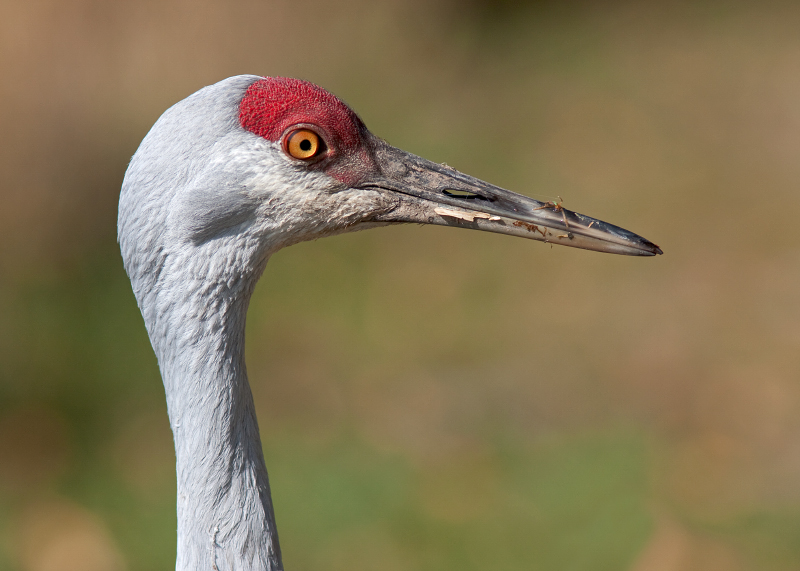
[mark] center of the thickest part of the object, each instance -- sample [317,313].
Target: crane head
[225,178]
[255,164]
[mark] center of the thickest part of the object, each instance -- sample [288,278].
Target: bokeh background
[429,398]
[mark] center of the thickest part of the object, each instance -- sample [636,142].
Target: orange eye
[303,144]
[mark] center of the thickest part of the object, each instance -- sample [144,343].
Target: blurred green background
[429,398]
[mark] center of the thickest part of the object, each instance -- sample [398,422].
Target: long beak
[431,193]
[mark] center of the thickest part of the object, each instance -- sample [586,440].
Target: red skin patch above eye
[273,104]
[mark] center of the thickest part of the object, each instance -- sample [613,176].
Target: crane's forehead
[273,104]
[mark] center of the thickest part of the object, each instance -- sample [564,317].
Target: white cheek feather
[296,203]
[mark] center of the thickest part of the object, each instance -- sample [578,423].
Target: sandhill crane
[224,179]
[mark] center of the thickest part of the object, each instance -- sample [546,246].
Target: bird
[224,179]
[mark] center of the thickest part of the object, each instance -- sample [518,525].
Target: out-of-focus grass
[429,398]
[578,504]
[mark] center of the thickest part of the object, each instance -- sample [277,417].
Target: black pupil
[305,145]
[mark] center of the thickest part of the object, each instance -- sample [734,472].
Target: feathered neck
[225,514]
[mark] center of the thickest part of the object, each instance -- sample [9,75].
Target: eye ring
[303,144]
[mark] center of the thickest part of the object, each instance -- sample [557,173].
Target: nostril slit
[463,194]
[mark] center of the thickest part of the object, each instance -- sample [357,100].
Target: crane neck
[225,514]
